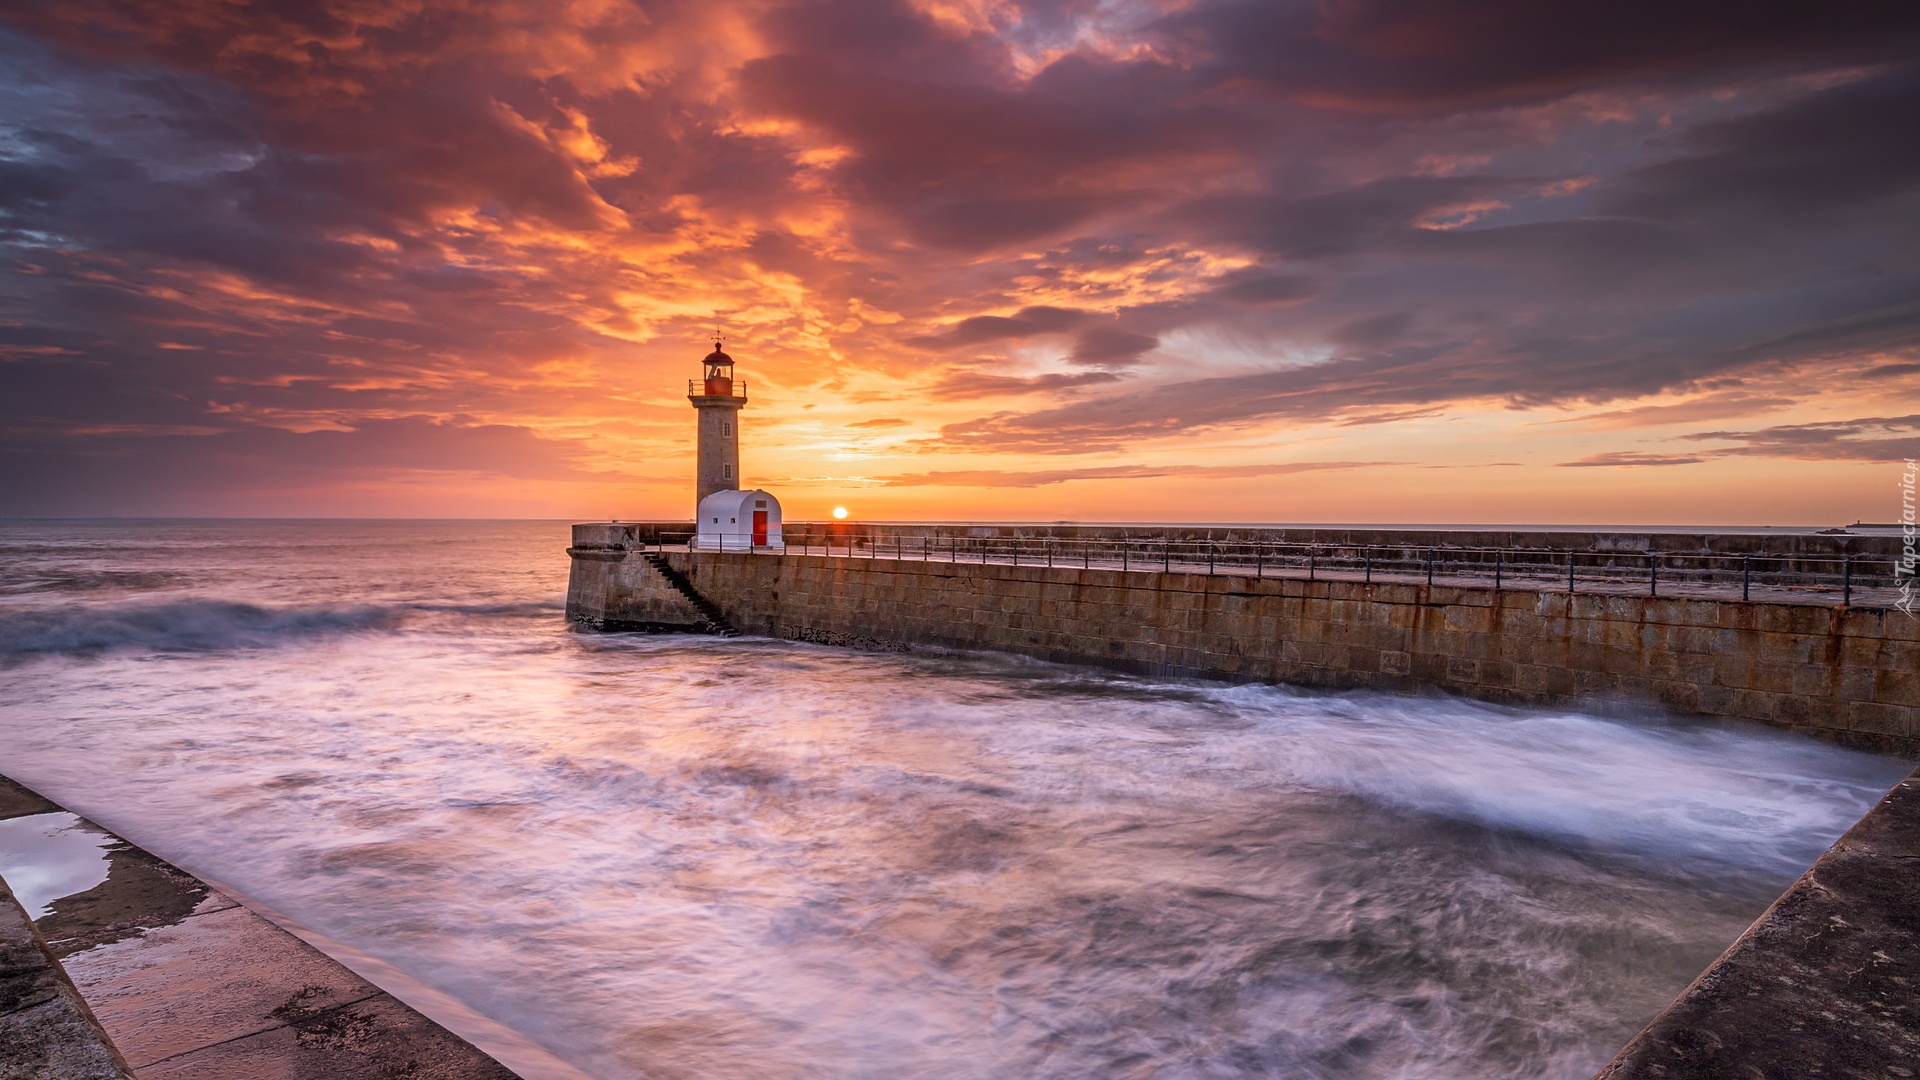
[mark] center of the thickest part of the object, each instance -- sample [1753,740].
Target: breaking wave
[18,580]
[184,625]
[210,625]
[1671,791]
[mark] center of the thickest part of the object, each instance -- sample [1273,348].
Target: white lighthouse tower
[726,518]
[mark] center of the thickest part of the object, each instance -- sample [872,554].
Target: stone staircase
[709,612]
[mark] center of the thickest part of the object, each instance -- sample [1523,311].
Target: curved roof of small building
[728,501]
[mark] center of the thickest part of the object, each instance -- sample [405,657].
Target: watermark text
[1903,571]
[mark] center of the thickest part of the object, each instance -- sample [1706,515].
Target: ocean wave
[17,580]
[1723,795]
[185,625]
[503,608]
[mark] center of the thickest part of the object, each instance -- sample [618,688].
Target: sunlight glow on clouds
[1387,260]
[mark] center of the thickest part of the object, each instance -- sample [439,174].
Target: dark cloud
[888,422]
[1335,223]
[1389,417]
[1372,331]
[1872,438]
[1432,55]
[1257,285]
[1110,346]
[997,478]
[1321,391]
[969,385]
[1824,153]
[979,329]
[1630,459]
[1712,406]
[139,472]
[959,154]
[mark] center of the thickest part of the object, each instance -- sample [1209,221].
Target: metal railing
[734,543]
[1849,579]
[1846,578]
[737,388]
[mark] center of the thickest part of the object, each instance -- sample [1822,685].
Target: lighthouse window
[726,471]
[759,504]
[726,428]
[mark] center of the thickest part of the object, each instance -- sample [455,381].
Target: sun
[840,512]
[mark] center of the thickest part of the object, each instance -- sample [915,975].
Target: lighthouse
[726,518]
[717,398]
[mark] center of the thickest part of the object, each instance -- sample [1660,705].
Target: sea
[628,856]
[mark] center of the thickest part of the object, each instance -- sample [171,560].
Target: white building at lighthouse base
[739,521]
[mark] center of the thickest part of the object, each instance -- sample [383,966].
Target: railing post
[1209,558]
[1368,577]
[1746,576]
[1049,554]
[1259,561]
[1123,554]
[1846,580]
[1570,557]
[1496,569]
[1653,574]
[1166,557]
[1429,568]
[1086,554]
[1313,553]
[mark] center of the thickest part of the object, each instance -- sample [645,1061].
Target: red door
[759,528]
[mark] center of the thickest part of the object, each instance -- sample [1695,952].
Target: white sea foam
[179,625]
[200,625]
[1725,794]
[675,857]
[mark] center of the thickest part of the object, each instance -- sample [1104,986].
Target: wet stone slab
[187,983]
[1825,984]
[46,1032]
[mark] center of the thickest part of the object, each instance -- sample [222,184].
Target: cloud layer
[267,247]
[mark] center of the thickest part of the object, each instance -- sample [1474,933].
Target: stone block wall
[611,586]
[1844,674]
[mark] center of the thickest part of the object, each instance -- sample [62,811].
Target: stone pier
[1850,675]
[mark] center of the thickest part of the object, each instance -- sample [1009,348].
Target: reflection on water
[44,857]
[682,857]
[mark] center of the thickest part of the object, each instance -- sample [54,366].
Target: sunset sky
[1095,260]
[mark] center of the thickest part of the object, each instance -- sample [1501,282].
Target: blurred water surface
[679,857]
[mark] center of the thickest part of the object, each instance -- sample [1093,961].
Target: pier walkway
[1824,580]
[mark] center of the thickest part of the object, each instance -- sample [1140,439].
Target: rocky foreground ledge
[1825,984]
[155,975]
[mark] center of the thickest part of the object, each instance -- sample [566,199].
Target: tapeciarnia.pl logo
[1904,571]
